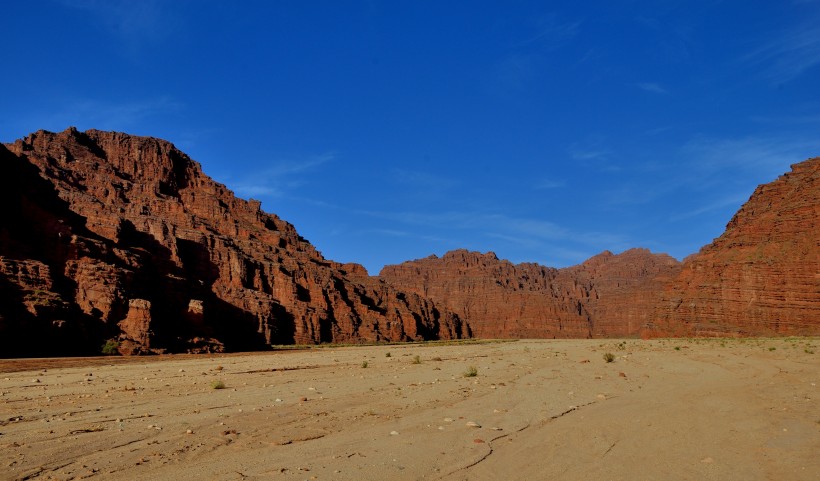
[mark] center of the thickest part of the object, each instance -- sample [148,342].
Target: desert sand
[662,410]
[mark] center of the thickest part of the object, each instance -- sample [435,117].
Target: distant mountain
[606,296]
[760,278]
[106,236]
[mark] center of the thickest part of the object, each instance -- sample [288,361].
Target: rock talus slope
[761,276]
[113,236]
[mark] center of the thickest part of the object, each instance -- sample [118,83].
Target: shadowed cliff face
[606,296]
[762,276]
[107,236]
[121,237]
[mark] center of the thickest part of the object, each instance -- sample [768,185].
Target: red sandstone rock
[762,276]
[619,292]
[608,295]
[125,237]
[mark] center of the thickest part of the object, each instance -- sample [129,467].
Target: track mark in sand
[277,369]
[92,429]
[610,449]
[42,470]
[298,440]
[571,409]
[490,447]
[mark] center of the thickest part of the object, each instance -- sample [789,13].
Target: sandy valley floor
[663,410]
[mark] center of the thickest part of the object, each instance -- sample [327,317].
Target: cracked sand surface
[536,410]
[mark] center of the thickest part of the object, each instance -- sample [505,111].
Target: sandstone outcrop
[619,292]
[608,295]
[111,236]
[761,276]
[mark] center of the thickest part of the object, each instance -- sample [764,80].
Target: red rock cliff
[608,295]
[762,276]
[109,235]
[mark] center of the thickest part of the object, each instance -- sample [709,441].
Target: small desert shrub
[677,348]
[808,351]
[387,354]
[217,384]
[110,347]
[437,358]
[471,372]
[609,357]
[364,364]
[416,360]
[772,348]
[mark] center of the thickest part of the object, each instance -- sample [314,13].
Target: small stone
[394,433]
[303,399]
[473,424]
[478,441]
[278,400]
[448,420]
[707,459]
[622,374]
[601,396]
[189,431]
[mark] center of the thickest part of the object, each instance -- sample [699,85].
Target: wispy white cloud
[278,177]
[652,87]
[767,154]
[788,119]
[790,54]
[578,152]
[424,180]
[130,21]
[499,224]
[523,63]
[85,113]
[732,201]
[547,184]
[550,32]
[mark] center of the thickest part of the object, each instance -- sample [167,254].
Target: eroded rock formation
[606,296]
[111,236]
[107,236]
[762,276]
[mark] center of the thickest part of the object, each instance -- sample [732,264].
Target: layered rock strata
[608,295]
[111,236]
[761,276]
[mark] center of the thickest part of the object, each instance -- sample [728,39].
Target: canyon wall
[106,235]
[606,296]
[108,238]
[762,276]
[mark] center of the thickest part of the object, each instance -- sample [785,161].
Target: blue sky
[391,130]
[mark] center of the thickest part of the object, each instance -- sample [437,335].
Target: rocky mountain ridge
[606,296]
[760,278]
[113,236]
[109,236]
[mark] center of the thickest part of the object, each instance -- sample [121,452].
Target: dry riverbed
[664,409]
